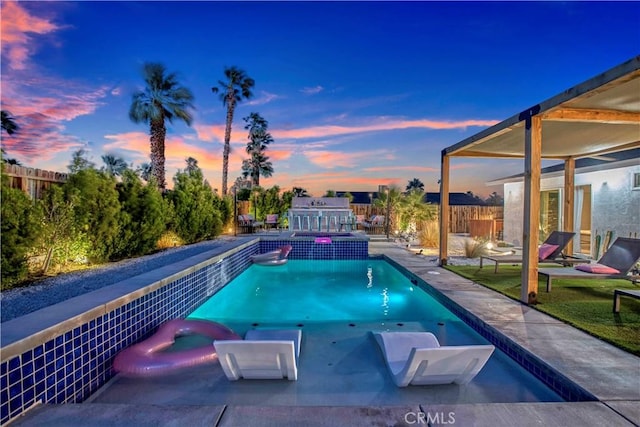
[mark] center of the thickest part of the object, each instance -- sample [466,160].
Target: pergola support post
[531,220]
[569,194]
[444,209]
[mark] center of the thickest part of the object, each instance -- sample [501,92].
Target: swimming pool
[322,291]
[337,303]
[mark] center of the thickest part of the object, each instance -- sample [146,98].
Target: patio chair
[263,354]
[375,224]
[248,223]
[549,251]
[271,221]
[616,263]
[416,358]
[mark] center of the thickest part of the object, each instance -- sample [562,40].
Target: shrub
[195,216]
[142,218]
[169,239]
[60,241]
[19,231]
[474,248]
[429,235]
[97,210]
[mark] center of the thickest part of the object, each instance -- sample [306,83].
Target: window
[635,181]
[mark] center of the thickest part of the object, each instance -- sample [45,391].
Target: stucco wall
[614,204]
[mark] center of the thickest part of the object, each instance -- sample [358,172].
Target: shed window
[635,184]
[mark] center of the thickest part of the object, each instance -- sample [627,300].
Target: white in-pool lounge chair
[263,354]
[416,358]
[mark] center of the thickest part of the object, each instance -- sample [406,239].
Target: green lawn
[585,304]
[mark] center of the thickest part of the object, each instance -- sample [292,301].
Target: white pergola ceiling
[595,117]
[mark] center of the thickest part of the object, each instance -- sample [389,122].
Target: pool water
[322,291]
[337,304]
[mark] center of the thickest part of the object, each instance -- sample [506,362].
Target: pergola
[599,116]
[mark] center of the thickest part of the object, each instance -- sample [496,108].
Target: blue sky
[357,94]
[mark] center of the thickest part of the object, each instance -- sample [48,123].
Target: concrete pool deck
[610,374]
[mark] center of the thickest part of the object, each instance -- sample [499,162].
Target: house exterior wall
[615,204]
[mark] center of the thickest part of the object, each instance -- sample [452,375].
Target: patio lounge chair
[416,358]
[549,251]
[624,293]
[263,354]
[616,263]
[375,224]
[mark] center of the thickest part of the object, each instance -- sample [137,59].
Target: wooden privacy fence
[461,218]
[31,180]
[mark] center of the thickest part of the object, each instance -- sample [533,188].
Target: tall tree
[415,184]
[162,99]
[8,123]
[114,165]
[259,139]
[234,90]
[192,164]
[79,161]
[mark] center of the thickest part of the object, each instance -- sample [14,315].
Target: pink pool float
[147,358]
[276,257]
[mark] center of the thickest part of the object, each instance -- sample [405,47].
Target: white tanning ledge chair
[416,358]
[263,354]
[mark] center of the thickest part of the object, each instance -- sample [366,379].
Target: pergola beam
[592,115]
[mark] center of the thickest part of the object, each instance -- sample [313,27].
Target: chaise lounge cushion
[545,250]
[597,268]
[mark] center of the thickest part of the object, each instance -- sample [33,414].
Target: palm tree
[144,170]
[389,201]
[259,140]
[114,165]
[413,209]
[415,183]
[235,89]
[8,123]
[162,99]
[300,192]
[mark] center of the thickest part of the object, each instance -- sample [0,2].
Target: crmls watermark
[430,418]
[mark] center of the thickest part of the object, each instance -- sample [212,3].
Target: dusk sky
[357,94]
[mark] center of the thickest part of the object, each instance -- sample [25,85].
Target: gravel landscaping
[20,301]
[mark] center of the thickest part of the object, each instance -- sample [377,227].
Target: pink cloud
[401,168]
[333,159]
[381,124]
[17,46]
[40,116]
[210,133]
